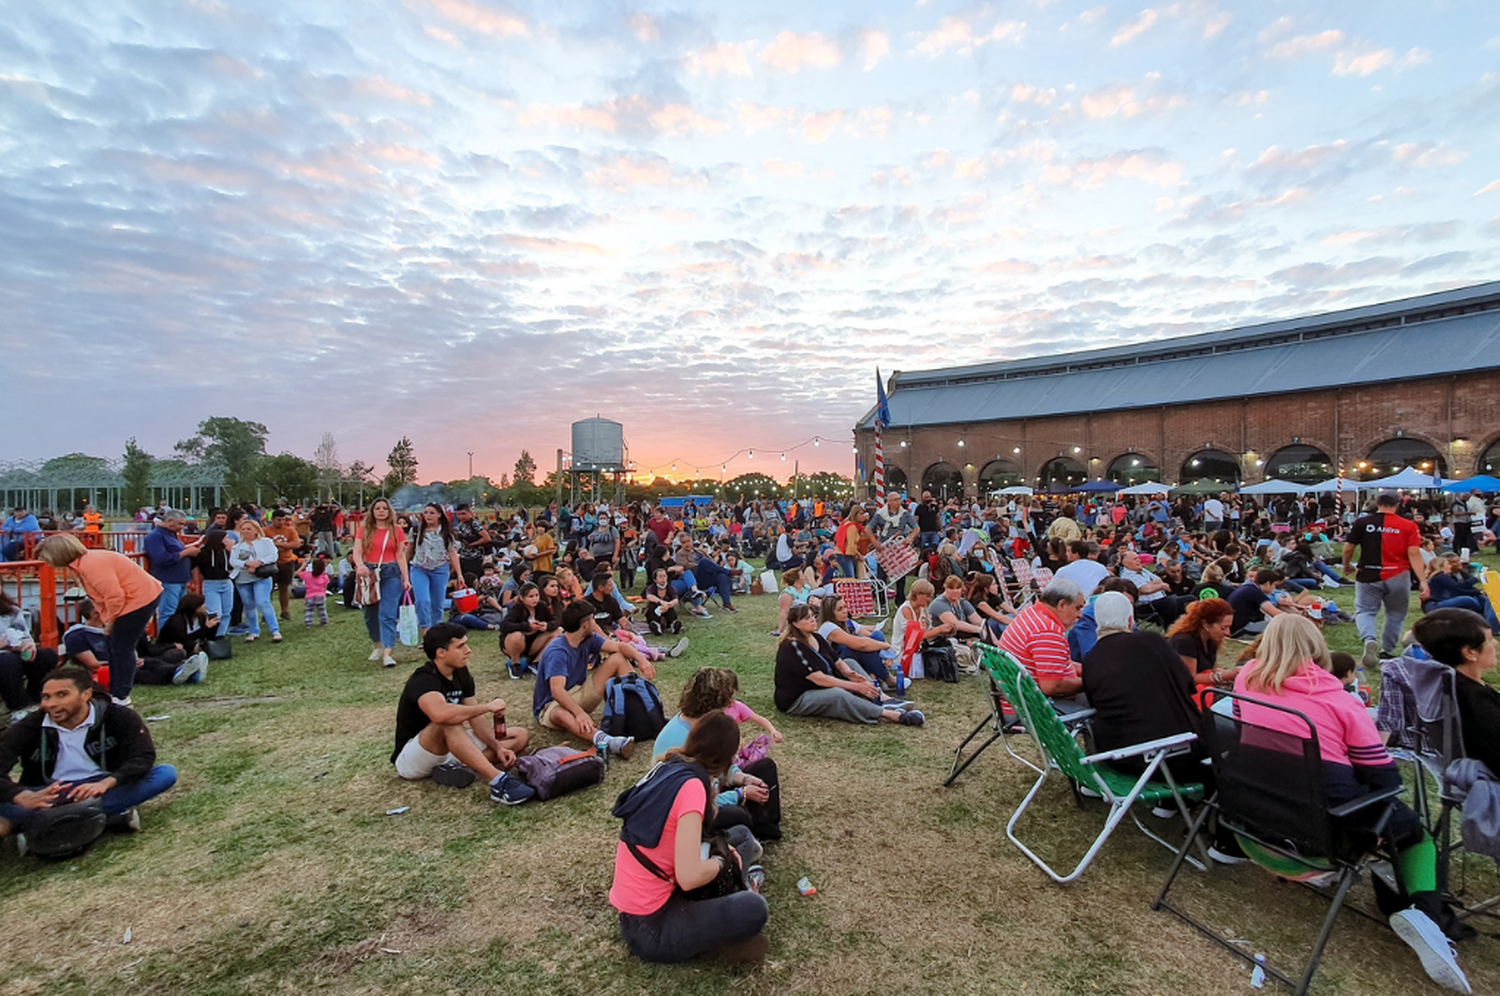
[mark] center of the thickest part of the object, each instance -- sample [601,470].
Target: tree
[359,472]
[288,476]
[234,444]
[326,459]
[403,466]
[136,476]
[525,472]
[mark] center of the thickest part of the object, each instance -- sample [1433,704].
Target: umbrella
[1097,486]
[1149,488]
[1410,477]
[1484,484]
[1274,487]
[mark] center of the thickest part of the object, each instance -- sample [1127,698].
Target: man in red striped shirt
[1038,639]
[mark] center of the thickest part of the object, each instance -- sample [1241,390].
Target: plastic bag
[406,622]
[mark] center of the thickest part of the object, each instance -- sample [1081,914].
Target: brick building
[1414,381]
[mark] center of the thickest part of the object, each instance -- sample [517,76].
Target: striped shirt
[1038,641]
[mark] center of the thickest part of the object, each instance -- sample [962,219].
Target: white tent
[1019,489]
[1150,488]
[1277,487]
[1410,477]
[1331,485]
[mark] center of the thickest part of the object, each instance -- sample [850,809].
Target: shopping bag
[768,582]
[406,622]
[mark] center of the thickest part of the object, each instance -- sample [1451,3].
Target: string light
[751,456]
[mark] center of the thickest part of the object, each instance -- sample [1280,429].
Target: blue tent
[1484,484]
[1097,486]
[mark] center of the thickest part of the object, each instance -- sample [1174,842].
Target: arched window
[1489,460]
[999,474]
[1132,468]
[895,478]
[1061,475]
[1395,455]
[944,481]
[1212,465]
[1302,464]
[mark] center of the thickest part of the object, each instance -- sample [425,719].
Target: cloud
[1350,64]
[631,114]
[645,27]
[1425,155]
[958,34]
[442,34]
[790,52]
[1276,158]
[760,117]
[1395,234]
[819,127]
[1124,101]
[379,86]
[1305,44]
[874,46]
[1026,93]
[1148,165]
[1488,188]
[1133,28]
[730,58]
[475,17]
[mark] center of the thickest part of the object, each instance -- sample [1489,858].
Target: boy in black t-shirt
[441,730]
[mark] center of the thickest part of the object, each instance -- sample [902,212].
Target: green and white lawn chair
[994,663]
[1060,752]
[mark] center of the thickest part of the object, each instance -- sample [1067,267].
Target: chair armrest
[1356,805]
[1069,718]
[1149,747]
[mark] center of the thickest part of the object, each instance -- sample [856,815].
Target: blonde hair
[60,550]
[921,586]
[249,523]
[1289,643]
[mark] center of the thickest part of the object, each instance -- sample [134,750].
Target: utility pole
[471,464]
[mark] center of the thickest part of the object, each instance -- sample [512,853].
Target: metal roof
[1432,335]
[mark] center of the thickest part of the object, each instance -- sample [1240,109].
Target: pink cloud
[1304,44]
[482,19]
[818,127]
[874,46]
[790,52]
[730,58]
[1132,29]
[379,86]
[958,34]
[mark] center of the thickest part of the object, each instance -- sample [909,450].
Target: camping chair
[1270,796]
[1024,590]
[1434,734]
[1060,752]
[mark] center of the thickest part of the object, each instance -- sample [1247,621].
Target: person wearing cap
[1390,555]
[14,531]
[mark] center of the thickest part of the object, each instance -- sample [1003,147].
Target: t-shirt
[637,890]
[1246,601]
[288,532]
[795,660]
[561,659]
[466,533]
[929,519]
[1383,539]
[82,639]
[1213,510]
[961,611]
[1038,641]
[382,546]
[1140,579]
[1085,573]
[1188,645]
[602,541]
[410,719]
[607,611]
[545,547]
[1479,715]
[1139,690]
[661,528]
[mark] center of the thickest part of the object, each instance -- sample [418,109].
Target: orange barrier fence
[38,587]
[121,542]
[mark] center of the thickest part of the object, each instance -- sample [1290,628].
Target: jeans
[380,618]
[1369,596]
[218,600]
[685,584]
[329,544]
[256,597]
[123,636]
[1303,584]
[1326,571]
[117,800]
[428,587]
[869,661]
[929,541]
[166,603]
[716,577]
[1473,603]
[846,565]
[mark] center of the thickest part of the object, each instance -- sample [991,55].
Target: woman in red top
[659,857]
[380,550]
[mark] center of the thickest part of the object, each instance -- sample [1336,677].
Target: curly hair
[1199,614]
[708,689]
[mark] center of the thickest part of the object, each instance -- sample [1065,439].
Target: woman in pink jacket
[121,590]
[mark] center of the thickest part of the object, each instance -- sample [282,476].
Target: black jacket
[118,742]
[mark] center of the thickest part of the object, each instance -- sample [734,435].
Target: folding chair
[1024,590]
[1270,795]
[1060,753]
[994,663]
[1043,576]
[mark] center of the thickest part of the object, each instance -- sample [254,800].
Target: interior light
[1078,449]
[1016,450]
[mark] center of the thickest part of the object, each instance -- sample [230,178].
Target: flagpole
[879,464]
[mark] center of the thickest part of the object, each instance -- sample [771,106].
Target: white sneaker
[678,648]
[1432,946]
[1162,812]
[375,654]
[389,661]
[1330,584]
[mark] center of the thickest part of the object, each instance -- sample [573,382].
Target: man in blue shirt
[14,532]
[567,694]
[171,562]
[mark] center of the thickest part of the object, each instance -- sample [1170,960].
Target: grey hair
[1059,591]
[174,515]
[1113,612]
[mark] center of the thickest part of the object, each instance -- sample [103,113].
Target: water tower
[599,465]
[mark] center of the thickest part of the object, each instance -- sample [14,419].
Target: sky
[472,223]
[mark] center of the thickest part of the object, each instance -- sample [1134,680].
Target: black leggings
[763,818]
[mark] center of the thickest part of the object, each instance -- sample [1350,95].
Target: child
[624,634]
[316,578]
[756,749]
[1343,670]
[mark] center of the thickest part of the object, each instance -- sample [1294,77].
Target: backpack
[940,663]
[632,708]
[65,830]
[555,771]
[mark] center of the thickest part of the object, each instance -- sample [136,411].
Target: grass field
[272,866]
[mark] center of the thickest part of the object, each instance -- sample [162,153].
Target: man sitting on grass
[79,748]
[567,694]
[439,734]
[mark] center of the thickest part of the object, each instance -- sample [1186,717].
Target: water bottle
[1258,973]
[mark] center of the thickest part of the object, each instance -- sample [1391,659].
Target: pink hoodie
[1346,733]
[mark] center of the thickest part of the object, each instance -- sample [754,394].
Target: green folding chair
[1060,752]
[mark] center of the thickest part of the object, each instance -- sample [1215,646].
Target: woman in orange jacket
[121,590]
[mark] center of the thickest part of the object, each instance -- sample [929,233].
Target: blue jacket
[165,552]
[19,529]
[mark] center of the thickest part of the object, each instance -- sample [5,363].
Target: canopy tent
[1018,489]
[1410,477]
[1331,485]
[1484,484]
[1202,487]
[1274,487]
[1149,488]
[1097,486]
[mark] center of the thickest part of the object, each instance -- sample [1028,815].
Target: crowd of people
[1122,607]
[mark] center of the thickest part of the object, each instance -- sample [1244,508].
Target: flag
[859,467]
[1437,480]
[882,403]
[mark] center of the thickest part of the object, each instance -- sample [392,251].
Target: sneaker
[1330,584]
[513,670]
[252,637]
[1089,793]
[701,612]
[121,702]
[655,627]
[678,648]
[730,608]
[508,791]
[755,878]
[1432,946]
[621,747]
[1225,858]
[126,822]
[375,654]
[912,717]
[388,661]
[1371,656]
[20,839]
[453,775]
[275,637]
[677,627]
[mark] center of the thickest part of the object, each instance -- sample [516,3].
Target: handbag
[265,571]
[367,588]
[407,629]
[726,883]
[219,648]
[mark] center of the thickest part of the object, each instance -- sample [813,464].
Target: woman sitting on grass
[863,645]
[811,679]
[1293,670]
[659,859]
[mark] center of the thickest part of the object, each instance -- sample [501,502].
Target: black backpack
[940,663]
[65,830]
[632,708]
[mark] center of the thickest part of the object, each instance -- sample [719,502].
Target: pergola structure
[68,483]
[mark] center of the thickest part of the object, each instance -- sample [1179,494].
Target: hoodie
[118,742]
